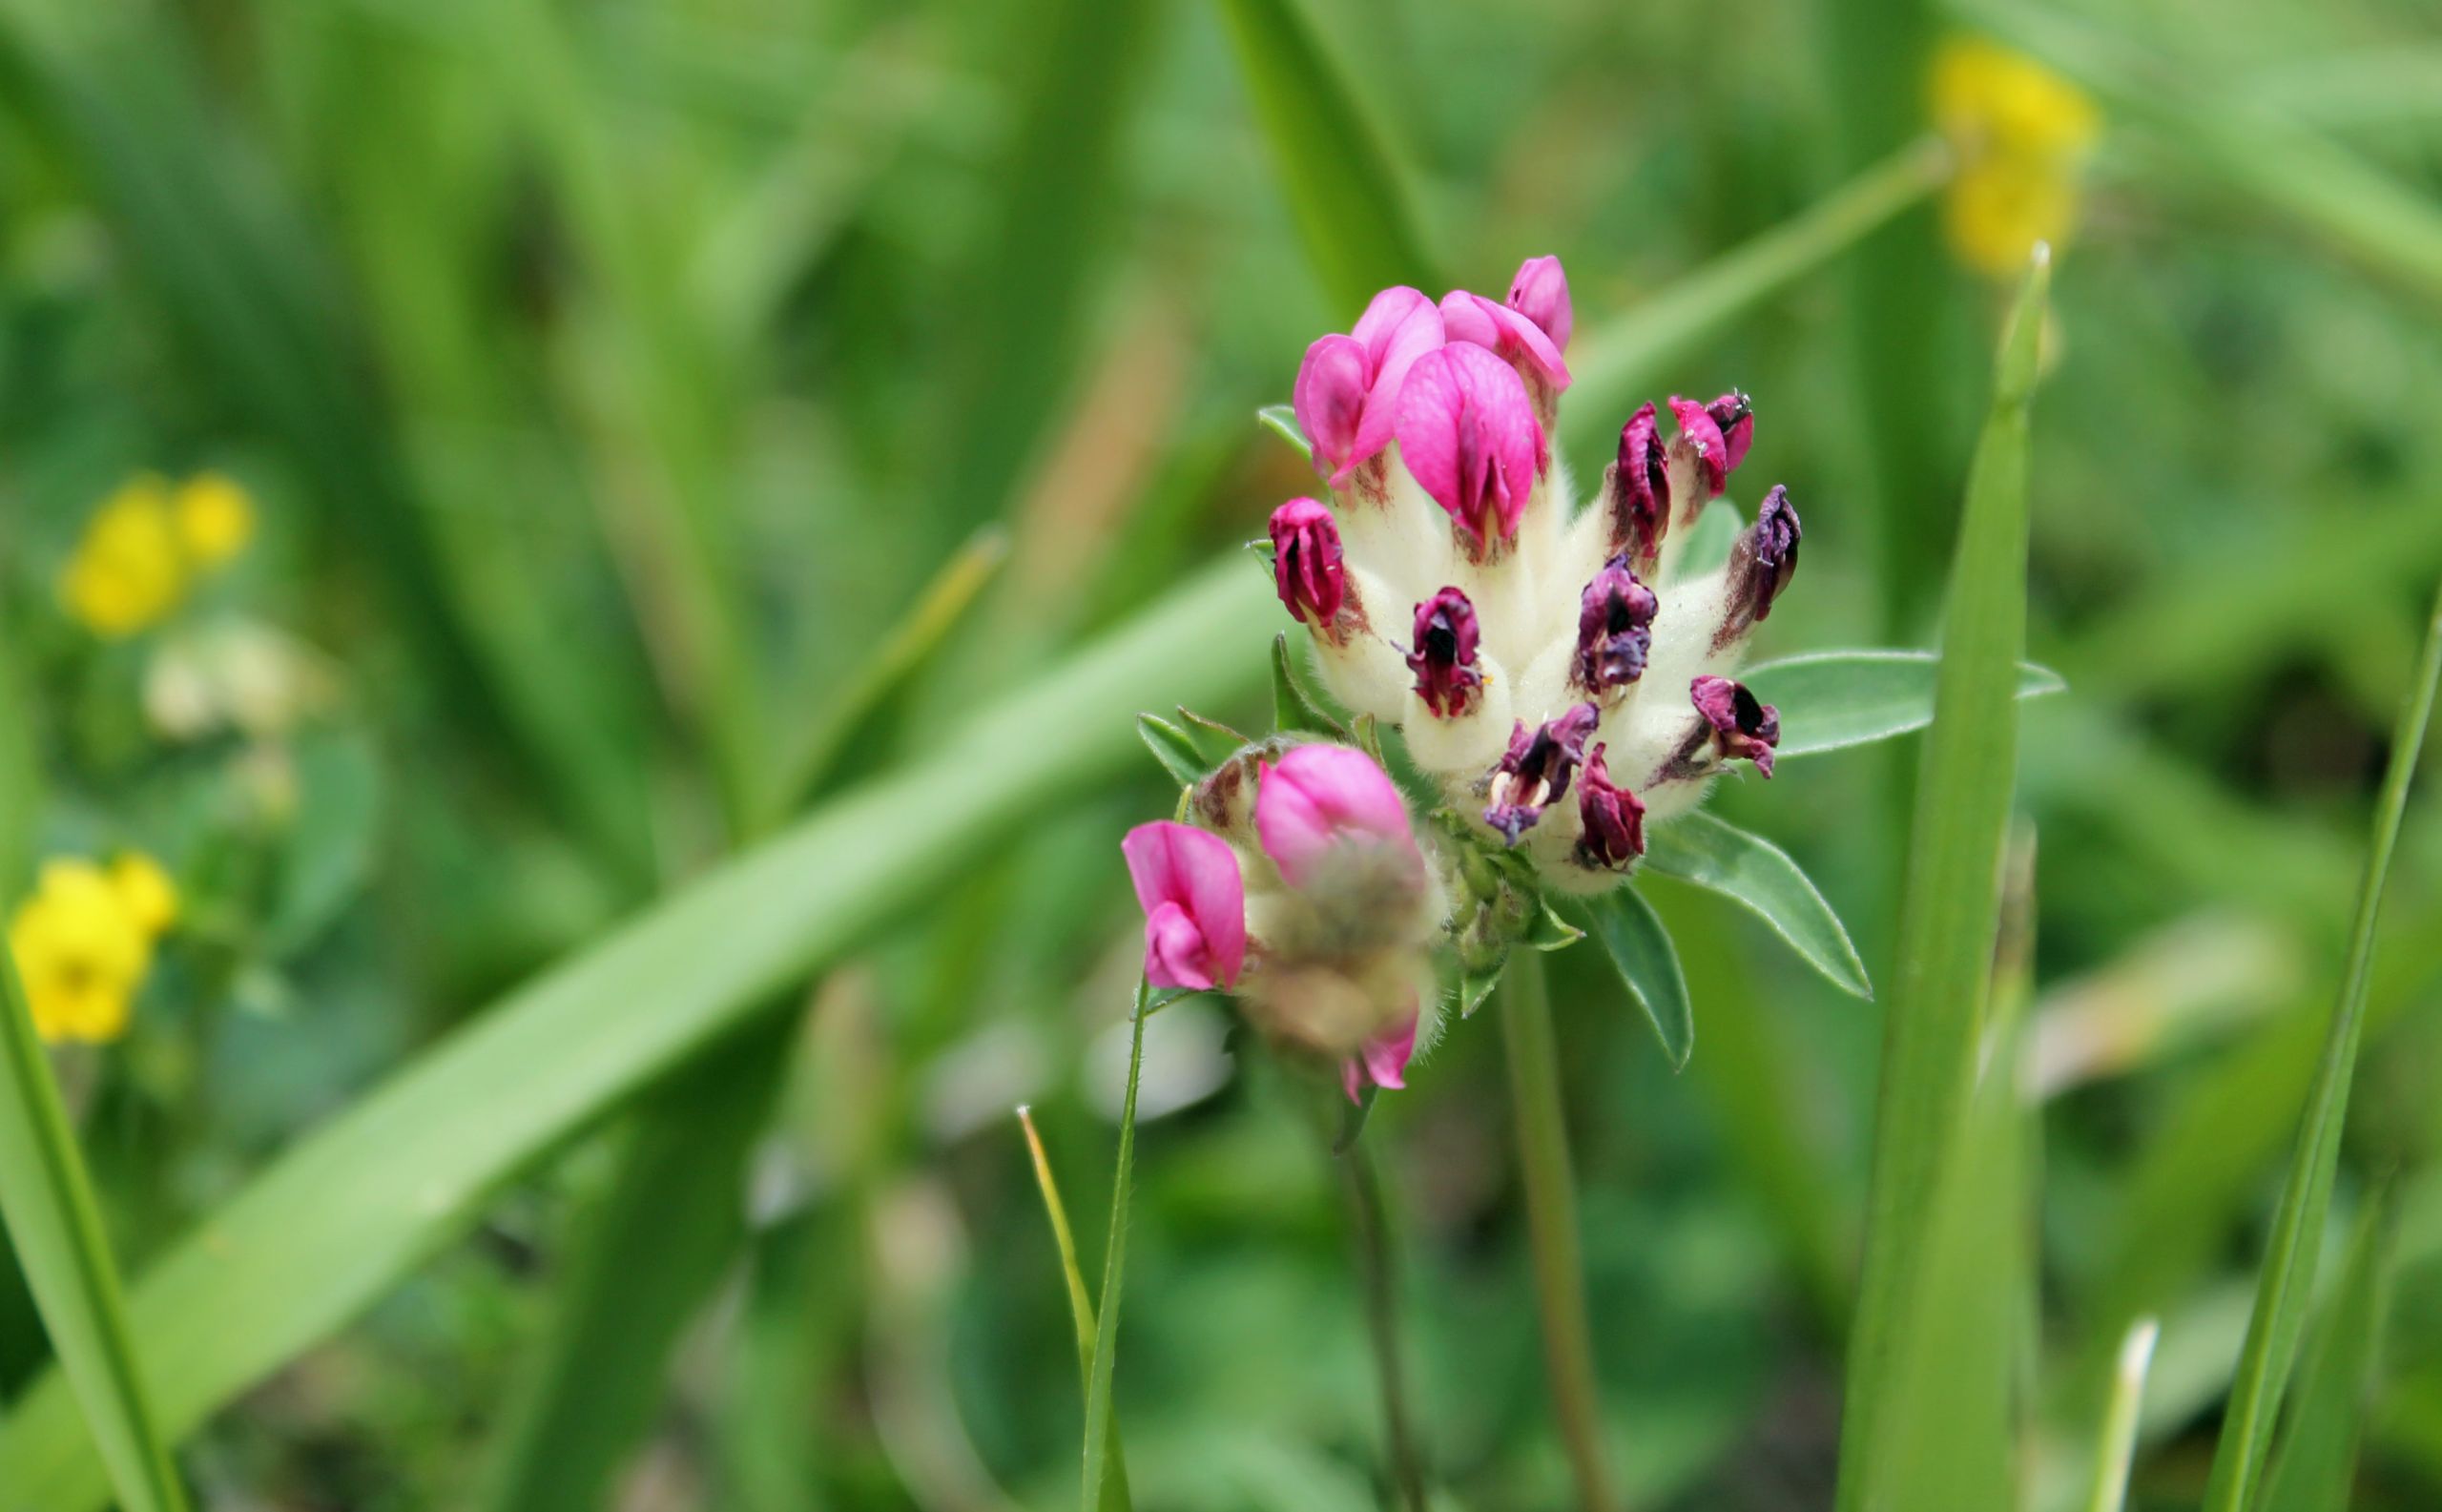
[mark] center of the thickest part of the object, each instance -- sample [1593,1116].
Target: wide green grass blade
[1609,364]
[1760,877]
[56,1229]
[2116,1447]
[1640,948]
[1346,188]
[1081,1303]
[1101,1418]
[1833,699]
[2317,1462]
[349,1209]
[2286,1282]
[1950,912]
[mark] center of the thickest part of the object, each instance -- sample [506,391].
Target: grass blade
[1632,936]
[2318,1458]
[2117,1446]
[1081,1304]
[1753,872]
[57,1230]
[1100,1416]
[1833,699]
[1951,910]
[1346,188]
[2289,1274]
[349,1211]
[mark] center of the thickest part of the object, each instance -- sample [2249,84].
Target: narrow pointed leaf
[1758,874]
[2117,1445]
[1950,912]
[2287,1279]
[1081,1302]
[1632,936]
[2318,1457]
[1291,707]
[1282,421]
[1171,747]
[1831,699]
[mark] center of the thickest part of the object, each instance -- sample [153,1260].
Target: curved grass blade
[1346,188]
[2318,1458]
[346,1212]
[2117,1446]
[1759,876]
[1101,1446]
[1081,1304]
[1632,936]
[57,1230]
[1950,911]
[1830,701]
[2288,1276]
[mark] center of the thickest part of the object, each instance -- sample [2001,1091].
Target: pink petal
[1318,797]
[1504,332]
[1330,402]
[1698,430]
[1385,315]
[1172,863]
[1541,292]
[1391,353]
[1176,953]
[1469,435]
[1382,1061]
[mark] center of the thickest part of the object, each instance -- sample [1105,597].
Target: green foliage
[1631,935]
[1833,699]
[1760,877]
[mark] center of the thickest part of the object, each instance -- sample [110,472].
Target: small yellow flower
[129,570]
[83,942]
[215,518]
[2022,134]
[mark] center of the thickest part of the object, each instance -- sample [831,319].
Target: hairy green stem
[1378,1271]
[1551,1220]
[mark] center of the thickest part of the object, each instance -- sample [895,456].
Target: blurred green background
[610,380]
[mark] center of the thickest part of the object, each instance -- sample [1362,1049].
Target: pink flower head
[1541,292]
[1443,657]
[1535,774]
[1381,1061]
[1316,798]
[1508,335]
[1348,388]
[1702,436]
[1614,629]
[1469,435]
[1306,566]
[1641,488]
[1195,902]
[1734,414]
[1740,726]
[1613,818]
[1765,558]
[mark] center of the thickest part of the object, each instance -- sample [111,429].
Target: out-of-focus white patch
[1184,1061]
[978,1080]
[235,674]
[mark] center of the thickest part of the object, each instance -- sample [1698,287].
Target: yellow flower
[2022,134]
[215,518]
[83,940]
[129,571]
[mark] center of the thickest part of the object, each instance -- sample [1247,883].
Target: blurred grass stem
[1551,1219]
[1378,1274]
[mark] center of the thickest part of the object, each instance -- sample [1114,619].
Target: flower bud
[1535,773]
[1638,490]
[1347,388]
[1700,438]
[1443,658]
[1541,292]
[1195,902]
[1739,725]
[1512,337]
[1733,414]
[1765,558]
[1468,435]
[1306,566]
[1614,630]
[1612,818]
[1318,800]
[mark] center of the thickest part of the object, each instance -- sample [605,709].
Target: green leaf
[1346,189]
[1172,747]
[2318,1458]
[2287,1279]
[1100,1419]
[1752,871]
[1632,936]
[1081,1303]
[1709,540]
[57,1232]
[1282,421]
[1546,930]
[1833,699]
[1950,911]
[346,1212]
[1291,707]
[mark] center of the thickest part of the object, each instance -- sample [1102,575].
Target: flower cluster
[1562,674]
[83,940]
[2022,134]
[147,546]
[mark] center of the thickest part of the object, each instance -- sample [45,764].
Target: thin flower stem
[1551,1220]
[1378,1266]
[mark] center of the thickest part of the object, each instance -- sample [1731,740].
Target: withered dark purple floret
[1741,725]
[1614,629]
[1640,501]
[1613,818]
[1535,774]
[1443,655]
[1766,557]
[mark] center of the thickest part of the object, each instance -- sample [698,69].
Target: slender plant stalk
[2117,1444]
[1378,1269]
[1114,1260]
[1551,1220]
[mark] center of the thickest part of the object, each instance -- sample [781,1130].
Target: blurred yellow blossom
[83,942]
[215,518]
[2023,134]
[129,571]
